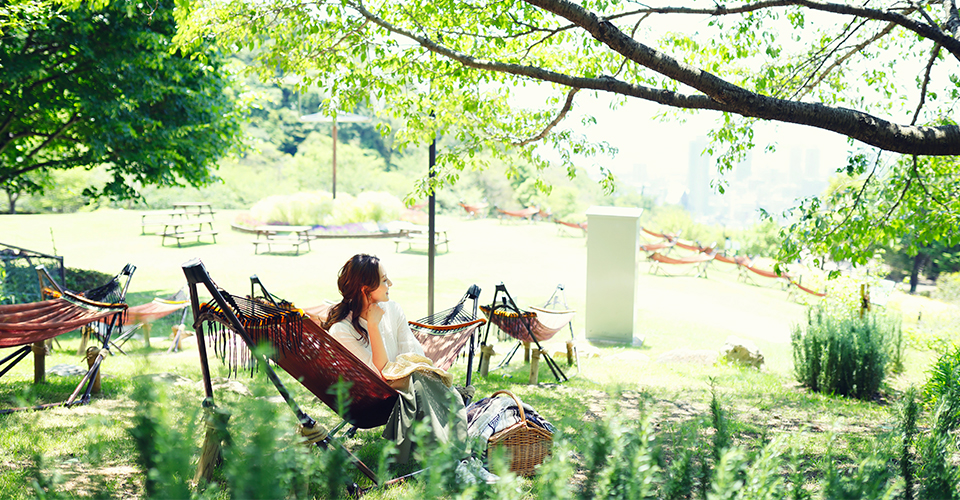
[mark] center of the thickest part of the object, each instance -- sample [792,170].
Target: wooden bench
[421,240]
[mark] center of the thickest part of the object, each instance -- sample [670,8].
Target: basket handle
[523,418]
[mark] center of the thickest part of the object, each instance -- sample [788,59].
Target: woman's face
[382,292]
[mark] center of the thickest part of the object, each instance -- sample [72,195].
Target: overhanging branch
[607,84]
[567,105]
[926,30]
[850,53]
[926,81]
[942,140]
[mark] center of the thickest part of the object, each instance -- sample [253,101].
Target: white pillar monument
[612,246]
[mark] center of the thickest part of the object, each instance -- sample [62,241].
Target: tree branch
[942,140]
[560,116]
[823,55]
[926,81]
[856,199]
[902,193]
[79,69]
[76,161]
[952,24]
[916,174]
[73,119]
[855,50]
[665,97]
[929,31]
[4,126]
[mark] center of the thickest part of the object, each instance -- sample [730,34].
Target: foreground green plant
[845,355]
[623,460]
[161,444]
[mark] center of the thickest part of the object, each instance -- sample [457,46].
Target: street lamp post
[342,118]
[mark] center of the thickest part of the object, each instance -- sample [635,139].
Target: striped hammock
[541,323]
[305,351]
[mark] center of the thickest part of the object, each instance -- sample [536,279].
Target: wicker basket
[528,443]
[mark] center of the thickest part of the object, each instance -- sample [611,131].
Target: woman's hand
[374,314]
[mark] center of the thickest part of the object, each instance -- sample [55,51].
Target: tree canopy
[882,74]
[104,86]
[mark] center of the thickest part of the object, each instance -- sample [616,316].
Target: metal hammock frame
[302,348]
[113,317]
[444,334]
[507,307]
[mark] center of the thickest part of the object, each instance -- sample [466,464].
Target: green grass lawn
[531,259]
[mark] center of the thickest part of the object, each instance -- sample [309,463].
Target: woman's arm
[374,314]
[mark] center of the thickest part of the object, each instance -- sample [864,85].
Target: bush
[761,239]
[299,209]
[19,283]
[948,288]
[377,207]
[942,389]
[845,355]
[320,208]
[80,280]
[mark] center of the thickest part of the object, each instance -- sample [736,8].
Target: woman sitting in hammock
[375,330]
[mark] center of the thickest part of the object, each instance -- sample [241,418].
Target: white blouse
[396,334]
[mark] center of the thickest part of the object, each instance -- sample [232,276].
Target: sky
[663,149]
[663,145]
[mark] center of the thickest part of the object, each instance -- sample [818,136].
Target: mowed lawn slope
[529,258]
[674,315]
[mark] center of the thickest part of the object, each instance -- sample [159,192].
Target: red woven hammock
[653,247]
[444,334]
[474,210]
[808,290]
[542,323]
[768,274]
[740,260]
[443,348]
[582,225]
[22,324]
[526,213]
[442,343]
[308,353]
[669,237]
[693,247]
[692,259]
[156,309]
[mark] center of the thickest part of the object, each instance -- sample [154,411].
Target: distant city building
[698,178]
[772,181]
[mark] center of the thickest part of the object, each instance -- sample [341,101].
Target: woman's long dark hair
[361,271]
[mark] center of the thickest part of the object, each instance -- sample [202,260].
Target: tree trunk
[919,262]
[12,202]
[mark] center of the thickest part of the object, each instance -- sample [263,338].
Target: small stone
[742,352]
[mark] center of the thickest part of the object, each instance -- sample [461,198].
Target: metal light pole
[342,118]
[432,227]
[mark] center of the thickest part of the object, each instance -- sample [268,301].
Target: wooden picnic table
[179,229]
[187,219]
[290,236]
[414,234]
[195,207]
